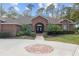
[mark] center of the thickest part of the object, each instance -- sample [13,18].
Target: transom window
[39,25]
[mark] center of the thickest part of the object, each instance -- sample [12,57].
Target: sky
[20,7]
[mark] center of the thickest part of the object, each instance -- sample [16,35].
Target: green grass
[65,38]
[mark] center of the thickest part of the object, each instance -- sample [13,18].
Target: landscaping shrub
[45,35]
[56,30]
[26,30]
[4,34]
[60,32]
[19,33]
[77,30]
[33,34]
[51,28]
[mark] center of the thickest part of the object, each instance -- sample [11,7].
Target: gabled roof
[39,16]
[52,20]
[66,20]
[28,20]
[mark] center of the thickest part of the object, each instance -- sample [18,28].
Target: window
[65,27]
[39,25]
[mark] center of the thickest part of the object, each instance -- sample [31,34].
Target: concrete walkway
[39,37]
[16,47]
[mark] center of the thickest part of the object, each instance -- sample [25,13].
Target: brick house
[37,23]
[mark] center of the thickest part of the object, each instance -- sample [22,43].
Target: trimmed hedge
[4,35]
[60,32]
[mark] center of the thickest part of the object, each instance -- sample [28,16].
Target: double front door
[39,29]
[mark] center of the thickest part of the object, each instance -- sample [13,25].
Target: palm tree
[40,11]
[50,9]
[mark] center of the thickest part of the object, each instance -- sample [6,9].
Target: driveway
[16,47]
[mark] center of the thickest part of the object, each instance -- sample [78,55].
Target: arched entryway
[39,28]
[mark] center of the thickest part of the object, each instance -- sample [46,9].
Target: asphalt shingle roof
[28,20]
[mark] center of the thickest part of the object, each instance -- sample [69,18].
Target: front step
[39,37]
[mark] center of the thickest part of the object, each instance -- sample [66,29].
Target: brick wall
[39,19]
[70,26]
[11,28]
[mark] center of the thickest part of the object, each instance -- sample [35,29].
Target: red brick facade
[13,28]
[37,20]
[10,28]
[70,26]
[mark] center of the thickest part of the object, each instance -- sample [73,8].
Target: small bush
[4,34]
[77,30]
[25,30]
[20,33]
[60,32]
[52,27]
[56,30]
[45,35]
[33,34]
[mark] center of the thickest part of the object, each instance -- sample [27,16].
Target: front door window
[39,28]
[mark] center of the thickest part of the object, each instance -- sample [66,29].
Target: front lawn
[65,38]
